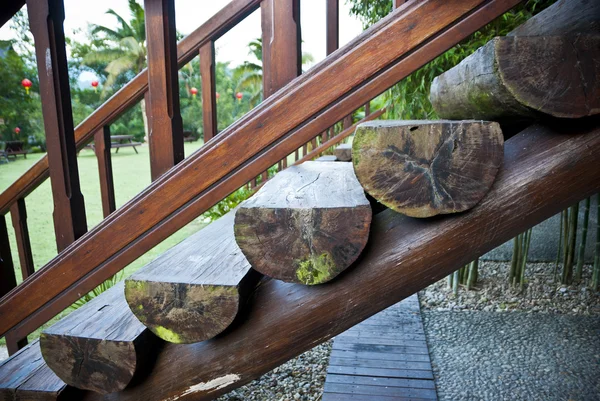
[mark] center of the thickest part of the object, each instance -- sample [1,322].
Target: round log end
[183,313]
[426,168]
[90,364]
[306,246]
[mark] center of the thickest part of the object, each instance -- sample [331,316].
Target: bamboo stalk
[596,270]
[584,230]
[449,281]
[568,269]
[515,256]
[559,247]
[455,283]
[527,241]
[472,269]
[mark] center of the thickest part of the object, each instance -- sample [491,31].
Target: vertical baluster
[367,109]
[18,213]
[282,53]
[105,172]
[398,3]
[209,89]
[333,26]
[165,136]
[8,281]
[46,22]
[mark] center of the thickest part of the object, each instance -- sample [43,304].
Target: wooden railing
[294,115]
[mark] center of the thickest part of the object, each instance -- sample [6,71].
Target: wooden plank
[46,22]
[209,90]
[9,9]
[375,391]
[380,381]
[25,376]
[281,41]
[165,136]
[306,225]
[381,372]
[18,213]
[426,168]
[378,363]
[386,349]
[544,171]
[100,346]
[102,145]
[193,291]
[352,354]
[381,341]
[344,152]
[510,79]
[362,397]
[30,306]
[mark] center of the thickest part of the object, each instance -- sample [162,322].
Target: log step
[25,376]
[343,152]
[327,158]
[100,346]
[306,225]
[523,77]
[193,291]
[425,168]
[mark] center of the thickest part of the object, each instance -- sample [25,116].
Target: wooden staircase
[201,320]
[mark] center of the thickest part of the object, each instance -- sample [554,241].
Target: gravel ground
[514,356]
[301,378]
[493,293]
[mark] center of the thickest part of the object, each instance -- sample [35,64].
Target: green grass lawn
[131,176]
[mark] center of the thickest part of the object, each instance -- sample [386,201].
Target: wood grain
[424,168]
[523,77]
[25,376]
[209,88]
[46,22]
[100,346]
[305,225]
[453,25]
[193,291]
[102,146]
[545,170]
[18,213]
[165,128]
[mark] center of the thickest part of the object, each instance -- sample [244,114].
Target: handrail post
[281,46]
[209,99]
[46,21]
[398,3]
[107,188]
[18,213]
[165,136]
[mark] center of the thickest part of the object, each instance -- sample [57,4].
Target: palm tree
[126,50]
[249,75]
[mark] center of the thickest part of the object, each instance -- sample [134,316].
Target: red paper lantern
[95,85]
[194,92]
[26,84]
[17,130]
[239,96]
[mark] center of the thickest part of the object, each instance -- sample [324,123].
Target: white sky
[190,14]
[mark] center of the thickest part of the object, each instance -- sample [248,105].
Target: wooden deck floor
[383,358]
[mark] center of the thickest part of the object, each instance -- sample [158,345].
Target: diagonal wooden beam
[545,170]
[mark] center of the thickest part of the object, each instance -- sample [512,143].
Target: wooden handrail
[339,137]
[352,75]
[130,94]
[545,170]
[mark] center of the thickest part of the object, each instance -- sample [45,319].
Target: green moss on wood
[316,269]
[167,335]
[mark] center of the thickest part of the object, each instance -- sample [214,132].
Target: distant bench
[13,149]
[119,141]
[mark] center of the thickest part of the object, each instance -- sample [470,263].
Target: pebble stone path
[383,358]
[514,356]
